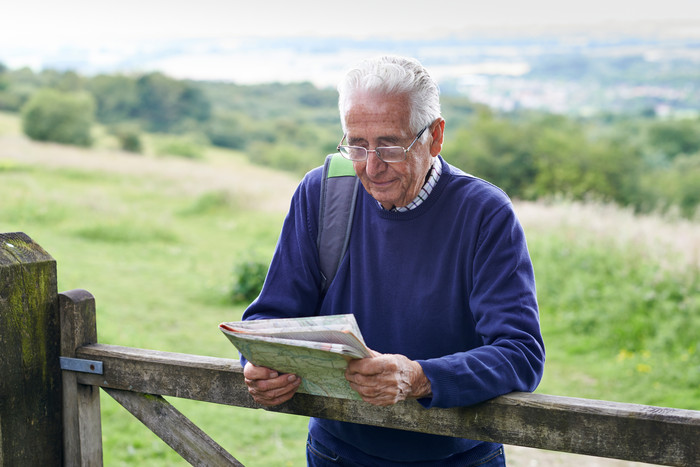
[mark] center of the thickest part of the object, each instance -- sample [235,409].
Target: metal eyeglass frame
[377,150]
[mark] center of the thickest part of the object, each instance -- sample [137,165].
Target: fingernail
[291,378]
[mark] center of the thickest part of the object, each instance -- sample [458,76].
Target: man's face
[373,121]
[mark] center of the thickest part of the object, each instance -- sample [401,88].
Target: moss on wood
[30,415]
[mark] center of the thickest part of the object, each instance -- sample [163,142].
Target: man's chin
[384,194]
[386,202]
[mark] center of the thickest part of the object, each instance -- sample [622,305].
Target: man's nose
[374,164]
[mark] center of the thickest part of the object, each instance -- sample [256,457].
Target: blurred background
[152,148]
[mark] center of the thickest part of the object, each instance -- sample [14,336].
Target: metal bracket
[81,365]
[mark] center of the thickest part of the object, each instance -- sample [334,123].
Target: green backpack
[339,188]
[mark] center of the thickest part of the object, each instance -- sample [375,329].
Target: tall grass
[619,302]
[157,248]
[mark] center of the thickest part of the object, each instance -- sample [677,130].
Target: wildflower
[624,355]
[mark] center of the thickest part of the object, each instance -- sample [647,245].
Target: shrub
[249,277]
[129,137]
[60,117]
[182,146]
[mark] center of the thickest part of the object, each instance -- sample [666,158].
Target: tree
[66,118]
[496,150]
[678,185]
[116,97]
[165,103]
[675,137]
[228,129]
[194,104]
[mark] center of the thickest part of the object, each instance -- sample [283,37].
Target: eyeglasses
[384,153]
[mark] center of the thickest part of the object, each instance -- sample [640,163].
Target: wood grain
[599,428]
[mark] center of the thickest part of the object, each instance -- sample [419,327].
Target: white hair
[391,75]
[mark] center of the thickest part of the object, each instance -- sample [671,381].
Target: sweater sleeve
[292,284]
[502,301]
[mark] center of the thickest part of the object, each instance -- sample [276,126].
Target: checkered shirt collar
[433,177]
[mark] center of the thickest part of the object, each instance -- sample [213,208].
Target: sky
[31,22]
[34,33]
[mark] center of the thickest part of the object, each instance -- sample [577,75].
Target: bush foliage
[52,115]
[186,146]
[249,277]
[129,137]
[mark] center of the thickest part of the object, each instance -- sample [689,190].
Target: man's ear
[437,137]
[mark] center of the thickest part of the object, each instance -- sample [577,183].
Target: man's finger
[254,372]
[273,391]
[366,366]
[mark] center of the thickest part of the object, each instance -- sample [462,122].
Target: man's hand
[268,387]
[386,379]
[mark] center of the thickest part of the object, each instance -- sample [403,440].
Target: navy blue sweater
[449,284]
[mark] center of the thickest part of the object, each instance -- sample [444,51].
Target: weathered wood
[30,391]
[175,429]
[605,429]
[82,436]
[186,376]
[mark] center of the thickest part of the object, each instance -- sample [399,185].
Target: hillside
[270,190]
[154,239]
[266,189]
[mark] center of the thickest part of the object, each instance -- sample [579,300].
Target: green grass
[160,258]
[160,264]
[618,326]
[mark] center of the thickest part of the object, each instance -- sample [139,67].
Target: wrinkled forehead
[365,108]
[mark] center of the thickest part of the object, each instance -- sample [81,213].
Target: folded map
[316,348]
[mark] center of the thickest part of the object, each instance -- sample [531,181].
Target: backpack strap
[339,188]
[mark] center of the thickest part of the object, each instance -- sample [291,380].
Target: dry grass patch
[672,243]
[260,188]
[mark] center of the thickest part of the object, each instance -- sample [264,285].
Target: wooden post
[82,436]
[30,381]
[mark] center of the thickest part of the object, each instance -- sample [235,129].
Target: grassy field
[156,240]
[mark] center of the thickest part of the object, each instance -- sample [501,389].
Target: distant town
[644,70]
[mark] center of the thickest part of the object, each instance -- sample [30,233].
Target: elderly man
[437,274]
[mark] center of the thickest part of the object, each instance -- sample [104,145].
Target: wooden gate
[50,393]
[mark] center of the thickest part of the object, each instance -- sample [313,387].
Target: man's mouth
[382,184]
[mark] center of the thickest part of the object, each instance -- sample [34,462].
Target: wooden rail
[605,429]
[138,379]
